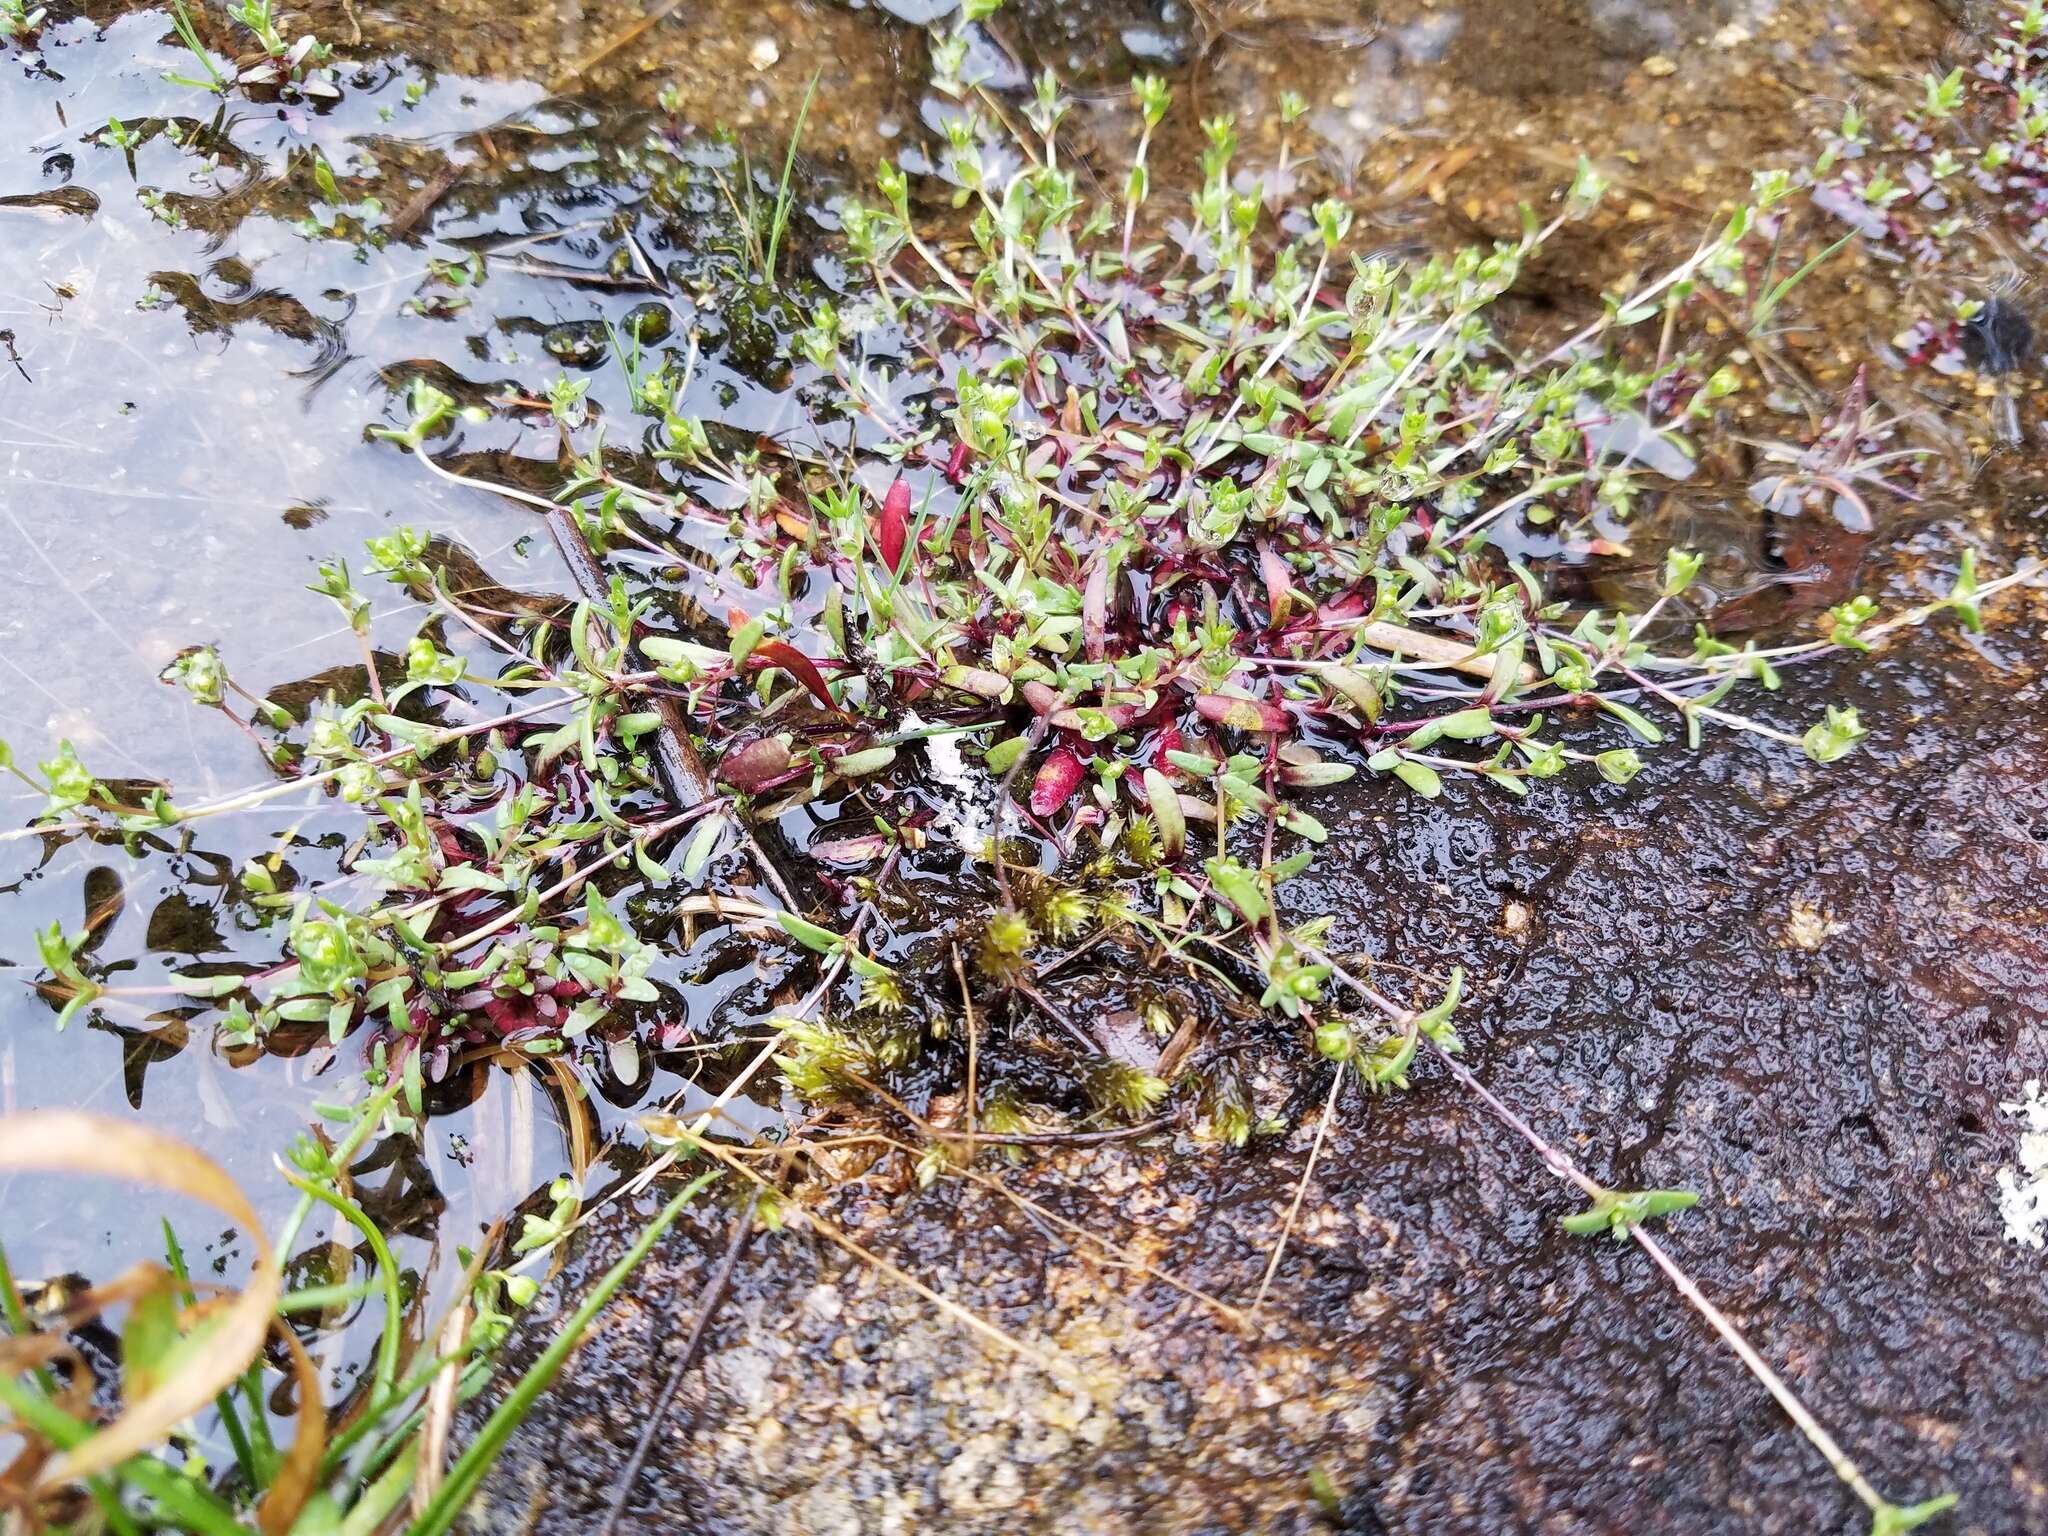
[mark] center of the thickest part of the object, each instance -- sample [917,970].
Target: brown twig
[714,1293]
[568,77]
[680,769]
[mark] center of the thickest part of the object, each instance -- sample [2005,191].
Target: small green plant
[18,21]
[188,1350]
[188,34]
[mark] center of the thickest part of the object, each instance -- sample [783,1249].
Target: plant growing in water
[1167,529]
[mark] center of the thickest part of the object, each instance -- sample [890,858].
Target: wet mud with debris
[1801,991]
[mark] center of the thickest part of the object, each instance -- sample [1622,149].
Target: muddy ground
[1799,991]
[1802,992]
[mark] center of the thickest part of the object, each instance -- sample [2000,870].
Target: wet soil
[1800,991]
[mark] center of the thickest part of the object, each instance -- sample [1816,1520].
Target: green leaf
[1467,724]
[1895,1520]
[1633,721]
[147,1343]
[1301,824]
[999,757]
[1616,1210]
[1165,802]
[1619,765]
[744,639]
[654,870]
[1835,737]
[1963,595]
[665,651]
[823,940]
[857,765]
[203,986]
[1420,777]
[1238,886]
[701,847]
[1316,775]
[1436,1022]
[1357,689]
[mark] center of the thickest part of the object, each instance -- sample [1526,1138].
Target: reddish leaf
[1040,697]
[1169,741]
[956,466]
[1350,606]
[1120,716]
[1279,581]
[756,765]
[1242,714]
[892,528]
[1058,777]
[1095,609]
[780,653]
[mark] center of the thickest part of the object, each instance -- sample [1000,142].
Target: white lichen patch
[2023,1190]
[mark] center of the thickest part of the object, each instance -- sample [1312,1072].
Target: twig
[1562,1166]
[562,81]
[973,1046]
[1300,1192]
[714,1294]
[422,201]
[681,770]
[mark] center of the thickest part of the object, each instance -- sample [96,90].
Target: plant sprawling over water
[1132,529]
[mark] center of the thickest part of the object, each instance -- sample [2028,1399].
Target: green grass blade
[470,1466]
[192,1506]
[387,1270]
[230,1421]
[1776,296]
[782,192]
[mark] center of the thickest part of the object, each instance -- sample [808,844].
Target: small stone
[1808,927]
[764,53]
[1734,35]
[579,343]
[651,322]
[1658,65]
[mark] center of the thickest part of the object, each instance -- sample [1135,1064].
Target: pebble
[580,343]
[1658,65]
[764,53]
[650,321]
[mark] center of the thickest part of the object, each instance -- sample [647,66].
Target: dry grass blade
[1315,1151]
[433,1457]
[714,1293]
[300,1470]
[62,1141]
[1052,1364]
[1434,650]
[1108,1250]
